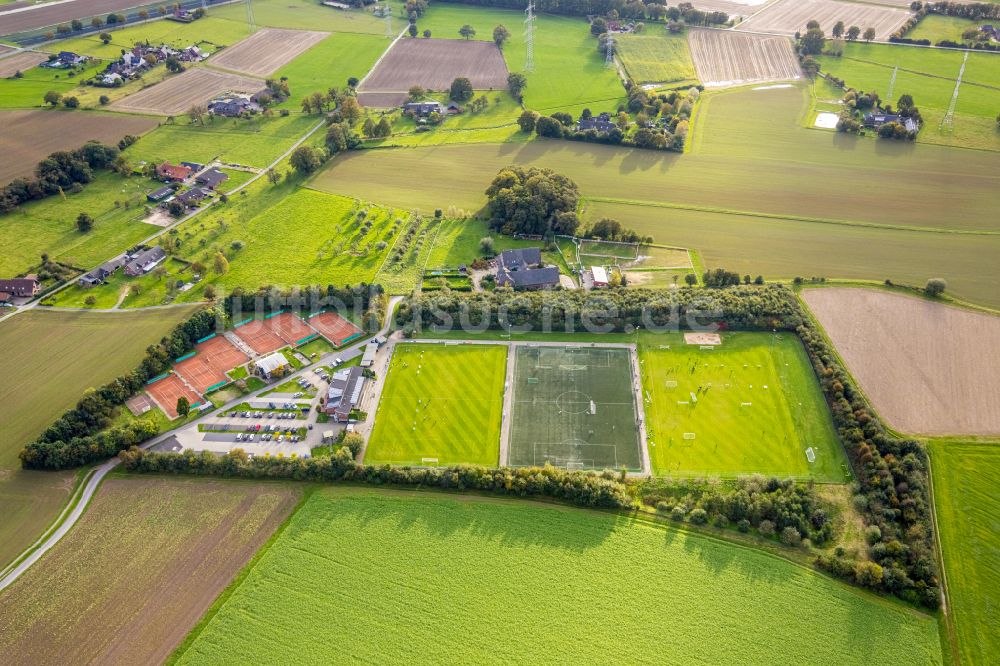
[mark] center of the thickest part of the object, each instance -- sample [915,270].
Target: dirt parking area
[267,50]
[143,565]
[928,368]
[30,136]
[726,58]
[435,63]
[786,17]
[179,93]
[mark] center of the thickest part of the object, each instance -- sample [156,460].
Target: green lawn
[441,402]
[305,15]
[330,63]
[966,478]
[937,27]
[657,57]
[752,403]
[449,570]
[929,76]
[458,242]
[49,225]
[401,273]
[317,346]
[65,354]
[29,90]
[210,32]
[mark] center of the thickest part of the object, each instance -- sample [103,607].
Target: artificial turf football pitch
[574,407]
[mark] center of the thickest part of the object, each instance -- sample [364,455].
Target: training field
[476,580]
[333,327]
[179,93]
[30,136]
[574,407]
[966,478]
[52,358]
[725,58]
[441,405]
[267,50]
[212,360]
[658,57]
[167,391]
[435,63]
[787,17]
[749,405]
[144,563]
[928,368]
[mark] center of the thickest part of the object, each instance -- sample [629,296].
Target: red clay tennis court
[166,391]
[259,336]
[212,360]
[290,327]
[333,327]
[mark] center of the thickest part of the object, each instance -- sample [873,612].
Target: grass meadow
[657,57]
[330,63]
[441,402]
[305,15]
[929,76]
[752,403]
[65,354]
[140,568]
[49,225]
[29,90]
[470,578]
[966,478]
[937,27]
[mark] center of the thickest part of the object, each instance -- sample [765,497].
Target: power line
[250,20]
[609,51]
[892,83]
[949,118]
[529,37]
[388,22]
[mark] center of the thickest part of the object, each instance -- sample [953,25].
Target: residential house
[600,123]
[194,166]
[160,195]
[423,108]
[876,120]
[211,178]
[233,106]
[145,261]
[344,393]
[192,198]
[523,269]
[173,173]
[24,287]
[103,272]
[65,60]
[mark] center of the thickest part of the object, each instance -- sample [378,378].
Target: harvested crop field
[928,368]
[59,12]
[145,562]
[20,62]
[266,51]
[786,17]
[34,135]
[178,93]
[435,63]
[726,58]
[477,580]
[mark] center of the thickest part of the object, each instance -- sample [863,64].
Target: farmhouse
[21,287]
[876,120]
[104,271]
[65,60]
[211,178]
[270,366]
[344,392]
[522,269]
[233,106]
[600,123]
[145,261]
[423,108]
[160,195]
[192,198]
[173,173]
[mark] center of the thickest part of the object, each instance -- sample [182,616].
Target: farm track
[726,58]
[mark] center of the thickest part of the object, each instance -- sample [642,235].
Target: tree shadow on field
[512,522]
[844,142]
[643,160]
[718,556]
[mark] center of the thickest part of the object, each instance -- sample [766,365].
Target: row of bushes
[61,171]
[76,437]
[368,299]
[590,489]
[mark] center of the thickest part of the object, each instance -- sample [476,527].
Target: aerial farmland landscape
[500,331]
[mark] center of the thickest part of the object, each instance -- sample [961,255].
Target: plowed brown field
[928,368]
[140,569]
[786,17]
[266,51]
[179,93]
[435,63]
[20,62]
[726,58]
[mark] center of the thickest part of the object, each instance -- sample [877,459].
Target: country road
[91,485]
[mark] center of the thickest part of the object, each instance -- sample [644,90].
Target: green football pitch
[749,405]
[441,405]
[574,407]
